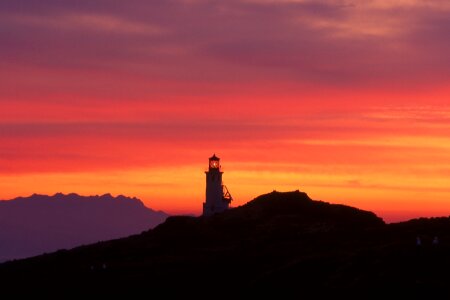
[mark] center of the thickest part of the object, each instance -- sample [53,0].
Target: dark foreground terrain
[280,245]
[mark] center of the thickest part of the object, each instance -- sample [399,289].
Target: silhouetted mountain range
[37,224]
[280,245]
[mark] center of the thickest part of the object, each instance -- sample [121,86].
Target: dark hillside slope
[279,244]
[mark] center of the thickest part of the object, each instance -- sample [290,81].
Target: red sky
[347,101]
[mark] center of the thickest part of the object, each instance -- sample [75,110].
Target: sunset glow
[346,102]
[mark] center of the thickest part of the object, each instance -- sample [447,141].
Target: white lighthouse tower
[217,196]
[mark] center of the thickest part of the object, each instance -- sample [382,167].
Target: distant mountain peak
[69,220]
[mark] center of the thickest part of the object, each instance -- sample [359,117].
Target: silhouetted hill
[37,224]
[272,215]
[281,245]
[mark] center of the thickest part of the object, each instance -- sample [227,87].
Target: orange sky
[348,103]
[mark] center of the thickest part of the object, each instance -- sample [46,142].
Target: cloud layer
[337,94]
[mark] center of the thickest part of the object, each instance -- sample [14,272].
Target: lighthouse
[218,197]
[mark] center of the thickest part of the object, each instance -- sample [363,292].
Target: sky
[347,101]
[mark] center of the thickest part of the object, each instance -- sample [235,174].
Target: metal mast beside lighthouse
[218,197]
